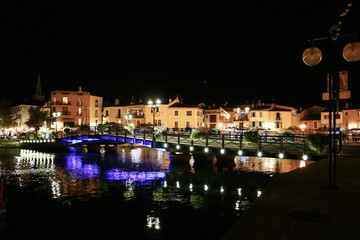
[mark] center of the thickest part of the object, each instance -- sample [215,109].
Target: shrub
[22,136]
[288,136]
[251,137]
[198,134]
[318,142]
[31,136]
[159,132]
[129,129]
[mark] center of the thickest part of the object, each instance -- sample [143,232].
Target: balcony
[60,103]
[65,113]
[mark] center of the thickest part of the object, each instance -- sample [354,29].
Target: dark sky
[220,50]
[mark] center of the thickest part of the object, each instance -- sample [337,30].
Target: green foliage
[318,142]
[53,134]
[6,119]
[36,118]
[103,128]
[251,137]
[129,129]
[288,136]
[198,134]
[84,128]
[22,136]
[41,135]
[31,136]
[115,127]
[160,132]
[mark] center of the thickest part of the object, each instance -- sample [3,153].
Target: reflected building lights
[153,222]
[118,174]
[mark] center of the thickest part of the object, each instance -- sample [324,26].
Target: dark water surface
[133,194]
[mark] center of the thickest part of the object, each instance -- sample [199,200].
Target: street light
[56,115]
[154,108]
[311,57]
[128,117]
[242,112]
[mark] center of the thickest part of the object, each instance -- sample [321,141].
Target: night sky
[210,51]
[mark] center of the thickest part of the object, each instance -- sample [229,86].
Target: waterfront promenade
[299,204]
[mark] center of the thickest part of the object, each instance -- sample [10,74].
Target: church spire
[38,95]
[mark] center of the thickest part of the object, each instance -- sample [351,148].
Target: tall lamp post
[56,115]
[311,57]
[154,108]
[242,112]
[128,117]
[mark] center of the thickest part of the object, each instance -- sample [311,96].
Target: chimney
[117,102]
[79,89]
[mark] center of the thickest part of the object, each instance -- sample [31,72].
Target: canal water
[135,193]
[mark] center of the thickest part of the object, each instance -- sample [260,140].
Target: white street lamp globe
[312,56]
[351,52]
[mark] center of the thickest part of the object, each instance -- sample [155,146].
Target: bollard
[84,149]
[102,149]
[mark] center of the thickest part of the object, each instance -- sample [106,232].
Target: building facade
[76,108]
[173,115]
[272,117]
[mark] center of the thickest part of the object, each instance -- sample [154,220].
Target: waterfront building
[76,108]
[272,117]
[181,115]
[173,115]
[310,119]
[347,119]
[21,114]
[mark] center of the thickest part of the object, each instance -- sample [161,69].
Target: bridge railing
[232,140]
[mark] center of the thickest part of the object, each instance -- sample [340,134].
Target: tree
[84,128]
[251,137]
[115,127]
[102,128]
[198,134]
[318,142]
[36,118]
[6,119]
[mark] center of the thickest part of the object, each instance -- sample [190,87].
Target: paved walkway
[299,204]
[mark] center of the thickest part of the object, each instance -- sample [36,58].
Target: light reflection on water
[154,190]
